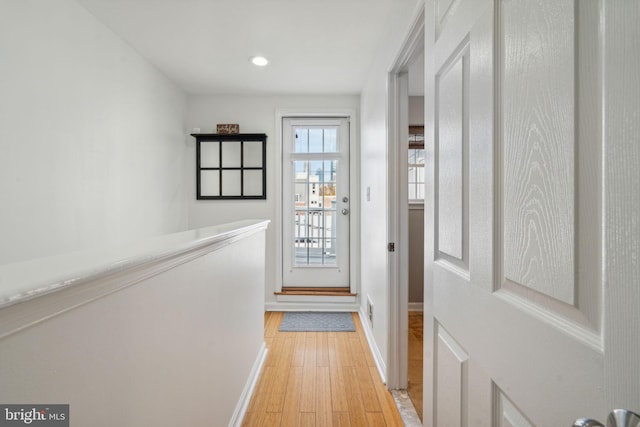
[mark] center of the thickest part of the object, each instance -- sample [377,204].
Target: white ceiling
[204,46]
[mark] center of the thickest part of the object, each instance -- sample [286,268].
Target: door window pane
[315,226]
[301,140]
[330,170]
[316,140]
[330,140]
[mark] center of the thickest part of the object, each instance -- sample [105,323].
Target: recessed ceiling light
[260,61]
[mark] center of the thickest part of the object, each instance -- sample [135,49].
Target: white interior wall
[254,114]
[416,216]
[416,110]
[172,336]
[373,117]
[416,77]
[416,254]
[91,135]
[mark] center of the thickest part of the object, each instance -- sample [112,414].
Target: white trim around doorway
[289,301]
[397,228]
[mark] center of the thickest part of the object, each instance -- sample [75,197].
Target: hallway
[319,379]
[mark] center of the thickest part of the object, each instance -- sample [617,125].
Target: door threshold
[329,291]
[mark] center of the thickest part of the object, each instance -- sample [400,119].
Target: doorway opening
[316,201]
[406,214]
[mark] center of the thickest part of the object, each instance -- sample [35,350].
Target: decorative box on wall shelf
[228,128]
[231,166]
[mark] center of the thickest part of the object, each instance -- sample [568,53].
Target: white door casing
[398,215]
[532,239]
[316,202]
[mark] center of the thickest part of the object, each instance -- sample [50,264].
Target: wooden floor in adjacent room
[414,375]
[319,379]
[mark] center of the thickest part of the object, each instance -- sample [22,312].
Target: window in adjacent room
[416,164]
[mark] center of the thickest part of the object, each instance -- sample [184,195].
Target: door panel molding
[451,368]
[445,8]
[535,84]
[555,210]
[452,160]
[506,413]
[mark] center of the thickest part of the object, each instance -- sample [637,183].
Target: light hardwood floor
[414,376]
[319,379]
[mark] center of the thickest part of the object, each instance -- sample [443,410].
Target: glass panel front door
[315,202]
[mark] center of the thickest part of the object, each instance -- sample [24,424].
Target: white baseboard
[416,306]
[311,306]
[377,357]
[247,392]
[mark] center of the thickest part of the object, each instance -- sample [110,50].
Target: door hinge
[391,247]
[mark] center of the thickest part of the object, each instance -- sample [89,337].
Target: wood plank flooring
[414,388]
[319,379]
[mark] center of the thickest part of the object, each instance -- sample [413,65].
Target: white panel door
[532,244]
[315,202]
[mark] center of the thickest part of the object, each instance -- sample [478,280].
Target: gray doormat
[317,321]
